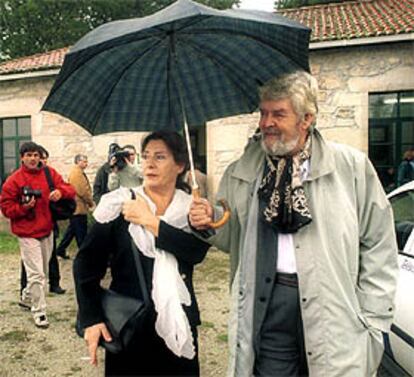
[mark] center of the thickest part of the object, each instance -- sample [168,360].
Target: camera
[119,154]
[28,193]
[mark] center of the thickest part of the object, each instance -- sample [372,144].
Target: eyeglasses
[157,157]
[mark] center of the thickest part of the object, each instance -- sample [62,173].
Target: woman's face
[159,167]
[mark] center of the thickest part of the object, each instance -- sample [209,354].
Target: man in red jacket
[25,201]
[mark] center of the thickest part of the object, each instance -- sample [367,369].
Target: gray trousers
[35,256]
[281,352]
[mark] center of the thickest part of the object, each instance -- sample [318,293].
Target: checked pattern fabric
[187,60]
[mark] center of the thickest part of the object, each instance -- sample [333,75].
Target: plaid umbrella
[185,62]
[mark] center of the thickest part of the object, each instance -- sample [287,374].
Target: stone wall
[61,137]
[346,76]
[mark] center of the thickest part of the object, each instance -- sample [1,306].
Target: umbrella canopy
[187,62]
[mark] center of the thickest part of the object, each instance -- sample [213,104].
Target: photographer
[123,170]
[25,201]
[54,272]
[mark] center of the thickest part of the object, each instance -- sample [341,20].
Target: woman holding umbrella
[157,223]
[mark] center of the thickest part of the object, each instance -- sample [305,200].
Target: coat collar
[322,158]
[250,164]
[30,171]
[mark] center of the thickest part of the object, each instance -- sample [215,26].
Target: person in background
[387,178]
[78,223]
[54,273]
[100,184]
[158,224]
[406,168]
[25,201]
[312,246]
[128,176]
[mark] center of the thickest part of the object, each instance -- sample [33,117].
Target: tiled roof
[355,19]
[42,61]
[329,22]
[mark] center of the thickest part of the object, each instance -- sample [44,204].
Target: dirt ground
[57,351]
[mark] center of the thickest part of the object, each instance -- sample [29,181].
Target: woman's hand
[92,336]
[201,214]
[138,212]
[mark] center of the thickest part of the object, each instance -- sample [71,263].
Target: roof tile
[41,61]
[355,19]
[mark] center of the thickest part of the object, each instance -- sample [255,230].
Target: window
[13,133]
[391,132]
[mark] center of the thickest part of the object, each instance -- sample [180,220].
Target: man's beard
[280,147]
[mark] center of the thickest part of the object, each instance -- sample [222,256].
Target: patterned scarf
[281,188]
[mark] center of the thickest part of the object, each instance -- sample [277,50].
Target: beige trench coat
[346,261]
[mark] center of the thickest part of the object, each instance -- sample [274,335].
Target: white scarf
[169,291]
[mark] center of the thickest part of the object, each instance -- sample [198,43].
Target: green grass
[8,243]
[15,336]
[215,267]
[213,289]
[208,325]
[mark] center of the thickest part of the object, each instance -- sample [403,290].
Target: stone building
[362,53]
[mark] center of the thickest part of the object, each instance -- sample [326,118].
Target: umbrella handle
[226,215]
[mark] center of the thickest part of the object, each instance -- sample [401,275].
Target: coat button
[268,280]
[183,276]
[262,299]
[390,309]
[304,299]
[309,353]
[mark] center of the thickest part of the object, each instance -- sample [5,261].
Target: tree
[32,26]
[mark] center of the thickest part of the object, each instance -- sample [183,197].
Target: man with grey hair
[312,246]
[78,223]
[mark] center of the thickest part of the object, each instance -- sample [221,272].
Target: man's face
[83,163]
[43,159]
[31,160]
[282,131]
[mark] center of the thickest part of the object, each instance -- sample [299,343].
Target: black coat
[100,184]
[111,243]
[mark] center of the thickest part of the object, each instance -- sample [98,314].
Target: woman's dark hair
[176,145]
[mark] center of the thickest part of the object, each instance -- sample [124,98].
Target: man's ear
[307,121]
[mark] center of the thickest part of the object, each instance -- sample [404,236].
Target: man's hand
[31,203]
[201,214]
[128,162]
[55,195]
[138,212]
[92,336]
[112,165]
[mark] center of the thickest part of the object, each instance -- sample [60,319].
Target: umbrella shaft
[190,156]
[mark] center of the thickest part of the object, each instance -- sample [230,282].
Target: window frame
[396,143]
[17,139]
